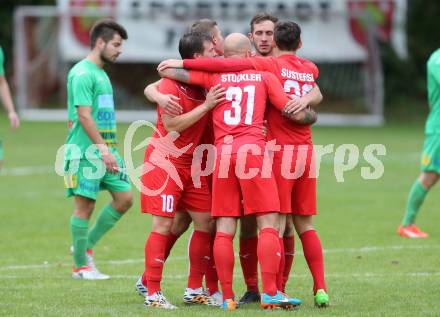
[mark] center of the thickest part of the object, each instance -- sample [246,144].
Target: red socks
[249,262]
[289,251]
[313,253]
[269,256]
[199,252]
[154,260]
[211,278]
[224,261]
[171,240]
[280,273]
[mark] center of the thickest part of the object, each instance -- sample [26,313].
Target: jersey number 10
[235,95]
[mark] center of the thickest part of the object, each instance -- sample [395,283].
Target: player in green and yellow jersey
[92,162]
[430,162]
[5,95]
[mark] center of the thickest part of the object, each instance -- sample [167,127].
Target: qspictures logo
[293,161]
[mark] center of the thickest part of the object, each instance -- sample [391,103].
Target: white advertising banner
[332,30]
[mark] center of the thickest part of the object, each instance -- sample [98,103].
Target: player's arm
[306,116]
[314,97]
[168,102]
[214,65]
[89,126]
[201,79]
[7,102]
[82,90]
[186,120]
[282,102]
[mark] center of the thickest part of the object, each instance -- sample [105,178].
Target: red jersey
[297,75]
[190,97]
[241,114]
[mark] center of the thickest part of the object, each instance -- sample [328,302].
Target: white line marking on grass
[28,170]
[366,249]
[25,267]
[293,275]
[171,277]
[380,248]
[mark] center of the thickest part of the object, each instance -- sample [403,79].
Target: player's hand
[295,105]
[170,104]
[14,120]
[170,63]
[110,163]
[305,117]
[215,95]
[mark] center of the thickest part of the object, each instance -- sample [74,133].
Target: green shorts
[1,151]
[85,179]
[430,161]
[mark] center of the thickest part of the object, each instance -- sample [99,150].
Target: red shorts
[171,198]
[296,180]
[259,195]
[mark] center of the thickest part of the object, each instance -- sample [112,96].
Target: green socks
[105,221]
[79,228]
[415,200]
[83,239]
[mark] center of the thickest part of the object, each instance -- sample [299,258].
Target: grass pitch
[370,270]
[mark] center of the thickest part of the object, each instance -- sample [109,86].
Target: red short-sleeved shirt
[241,114]
[297,75]
[190,97]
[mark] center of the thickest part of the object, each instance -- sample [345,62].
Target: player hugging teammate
[227,100]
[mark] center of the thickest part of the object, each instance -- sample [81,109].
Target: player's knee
[248,227]
[289,229]
[128,203]
[85,211]
[204,225]
[84,207]
[162,225]
[226,225]
[124,204]
[428,179]
[179,228]
[303,223]
[212,225]
[270,220]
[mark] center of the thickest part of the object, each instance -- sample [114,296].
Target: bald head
[237,44]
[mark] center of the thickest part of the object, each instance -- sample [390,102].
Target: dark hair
[106,29]
[204,26]
[192,42]
[287,35]
[261,17]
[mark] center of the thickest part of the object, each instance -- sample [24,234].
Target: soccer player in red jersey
[262,37]
[211,27]
[238,129]
[297,192]
[170,104]
[167,178]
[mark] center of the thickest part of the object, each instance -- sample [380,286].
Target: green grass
[370,271]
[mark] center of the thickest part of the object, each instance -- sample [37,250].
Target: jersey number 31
[235,95]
